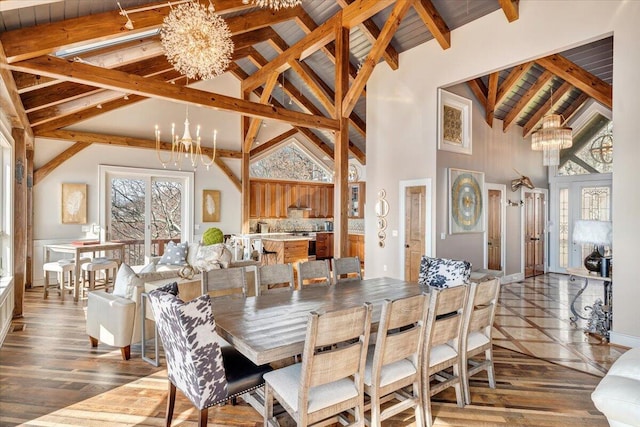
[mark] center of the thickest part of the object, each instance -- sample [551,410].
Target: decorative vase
[593,260]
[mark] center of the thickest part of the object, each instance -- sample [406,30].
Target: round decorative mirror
[382,208]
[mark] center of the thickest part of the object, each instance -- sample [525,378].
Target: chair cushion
[175,254]
[391,372]
[286,382]
[441,353]
[476,339]
[443,272]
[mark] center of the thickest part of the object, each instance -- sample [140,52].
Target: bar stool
[64,269]
[89,270]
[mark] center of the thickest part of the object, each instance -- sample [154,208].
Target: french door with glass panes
[576,197]
[145,209]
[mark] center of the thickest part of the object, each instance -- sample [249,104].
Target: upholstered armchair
[114,318]
[443,272]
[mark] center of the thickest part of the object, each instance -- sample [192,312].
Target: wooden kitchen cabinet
[324,245]
[272,199]
[356,200]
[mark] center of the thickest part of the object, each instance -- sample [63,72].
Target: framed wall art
[210,206]
[454,122]
[74,203]
[466,206]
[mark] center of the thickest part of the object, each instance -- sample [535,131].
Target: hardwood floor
[49,375]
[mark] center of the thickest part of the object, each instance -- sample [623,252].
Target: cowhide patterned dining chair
[205,371]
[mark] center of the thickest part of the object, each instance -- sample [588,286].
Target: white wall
[401,118]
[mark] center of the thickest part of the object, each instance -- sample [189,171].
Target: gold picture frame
[466,204]
[210,206]
[74,203]
[454,123]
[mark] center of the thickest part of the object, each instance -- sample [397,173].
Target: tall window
[290,162]
[563,228]
[147,209]
[593,152]
[6,211]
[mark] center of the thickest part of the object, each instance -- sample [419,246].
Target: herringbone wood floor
[50,376]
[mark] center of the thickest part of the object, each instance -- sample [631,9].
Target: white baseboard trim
[624,339]
[512,278]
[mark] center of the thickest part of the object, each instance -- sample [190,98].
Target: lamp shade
[593,232]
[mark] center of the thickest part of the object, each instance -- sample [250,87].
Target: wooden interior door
[494,230]
[414,235]
[534,205]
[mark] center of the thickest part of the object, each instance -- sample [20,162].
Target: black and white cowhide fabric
[443,272]
[194,359]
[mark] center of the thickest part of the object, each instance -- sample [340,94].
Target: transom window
[592,151]
[291,162]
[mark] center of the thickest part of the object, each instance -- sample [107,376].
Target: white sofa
[618,393]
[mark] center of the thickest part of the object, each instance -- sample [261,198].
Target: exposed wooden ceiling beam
[544,109]
[227,171]
[12,105]
[52,164]
[575,105]
[479,89]
[28,42]
[26,82]
[512,79]
[308,25]
[351,15]
[390,27]
[434,22]
[514,113]
[67,91]
[593,86]
[273,142]
[372,32]
[119,81]
[85,114]
[126,141]
[492,92]
[510,9]
[254,124]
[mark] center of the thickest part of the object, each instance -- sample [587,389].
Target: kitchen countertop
[283,238]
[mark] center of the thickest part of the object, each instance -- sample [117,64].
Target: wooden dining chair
[206,372]
[314,273]
[225,282]
[477,331]
[275,278]
[395,362]
[330,379]
[345,269]
[442,348]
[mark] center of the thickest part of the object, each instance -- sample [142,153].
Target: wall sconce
[516,203]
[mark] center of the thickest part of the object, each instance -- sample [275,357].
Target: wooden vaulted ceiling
[291,51]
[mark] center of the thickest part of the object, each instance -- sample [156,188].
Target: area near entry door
[534,236]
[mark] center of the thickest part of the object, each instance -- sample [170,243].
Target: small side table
[187,289]
[601,317]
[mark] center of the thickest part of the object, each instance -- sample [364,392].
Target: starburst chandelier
[186,147]
[197,42]
[274,4]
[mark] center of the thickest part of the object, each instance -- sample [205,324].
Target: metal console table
[600,317]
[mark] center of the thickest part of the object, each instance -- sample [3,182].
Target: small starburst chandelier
[197,42]
[186,147]
[274,4]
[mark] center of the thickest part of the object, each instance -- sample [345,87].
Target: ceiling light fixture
[551,138]
[274,4]
[197,42]
[186,147]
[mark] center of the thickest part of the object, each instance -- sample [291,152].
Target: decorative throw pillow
[125,280]
[149,268]
[174,254]
[445,273]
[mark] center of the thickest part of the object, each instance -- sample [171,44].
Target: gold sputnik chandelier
[197,41]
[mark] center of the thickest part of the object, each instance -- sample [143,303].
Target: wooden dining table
[272,327]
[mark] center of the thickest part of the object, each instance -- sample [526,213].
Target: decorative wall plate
[465,201]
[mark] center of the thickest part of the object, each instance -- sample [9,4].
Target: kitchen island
[288,248]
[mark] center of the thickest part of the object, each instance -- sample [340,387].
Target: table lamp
[597,233]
